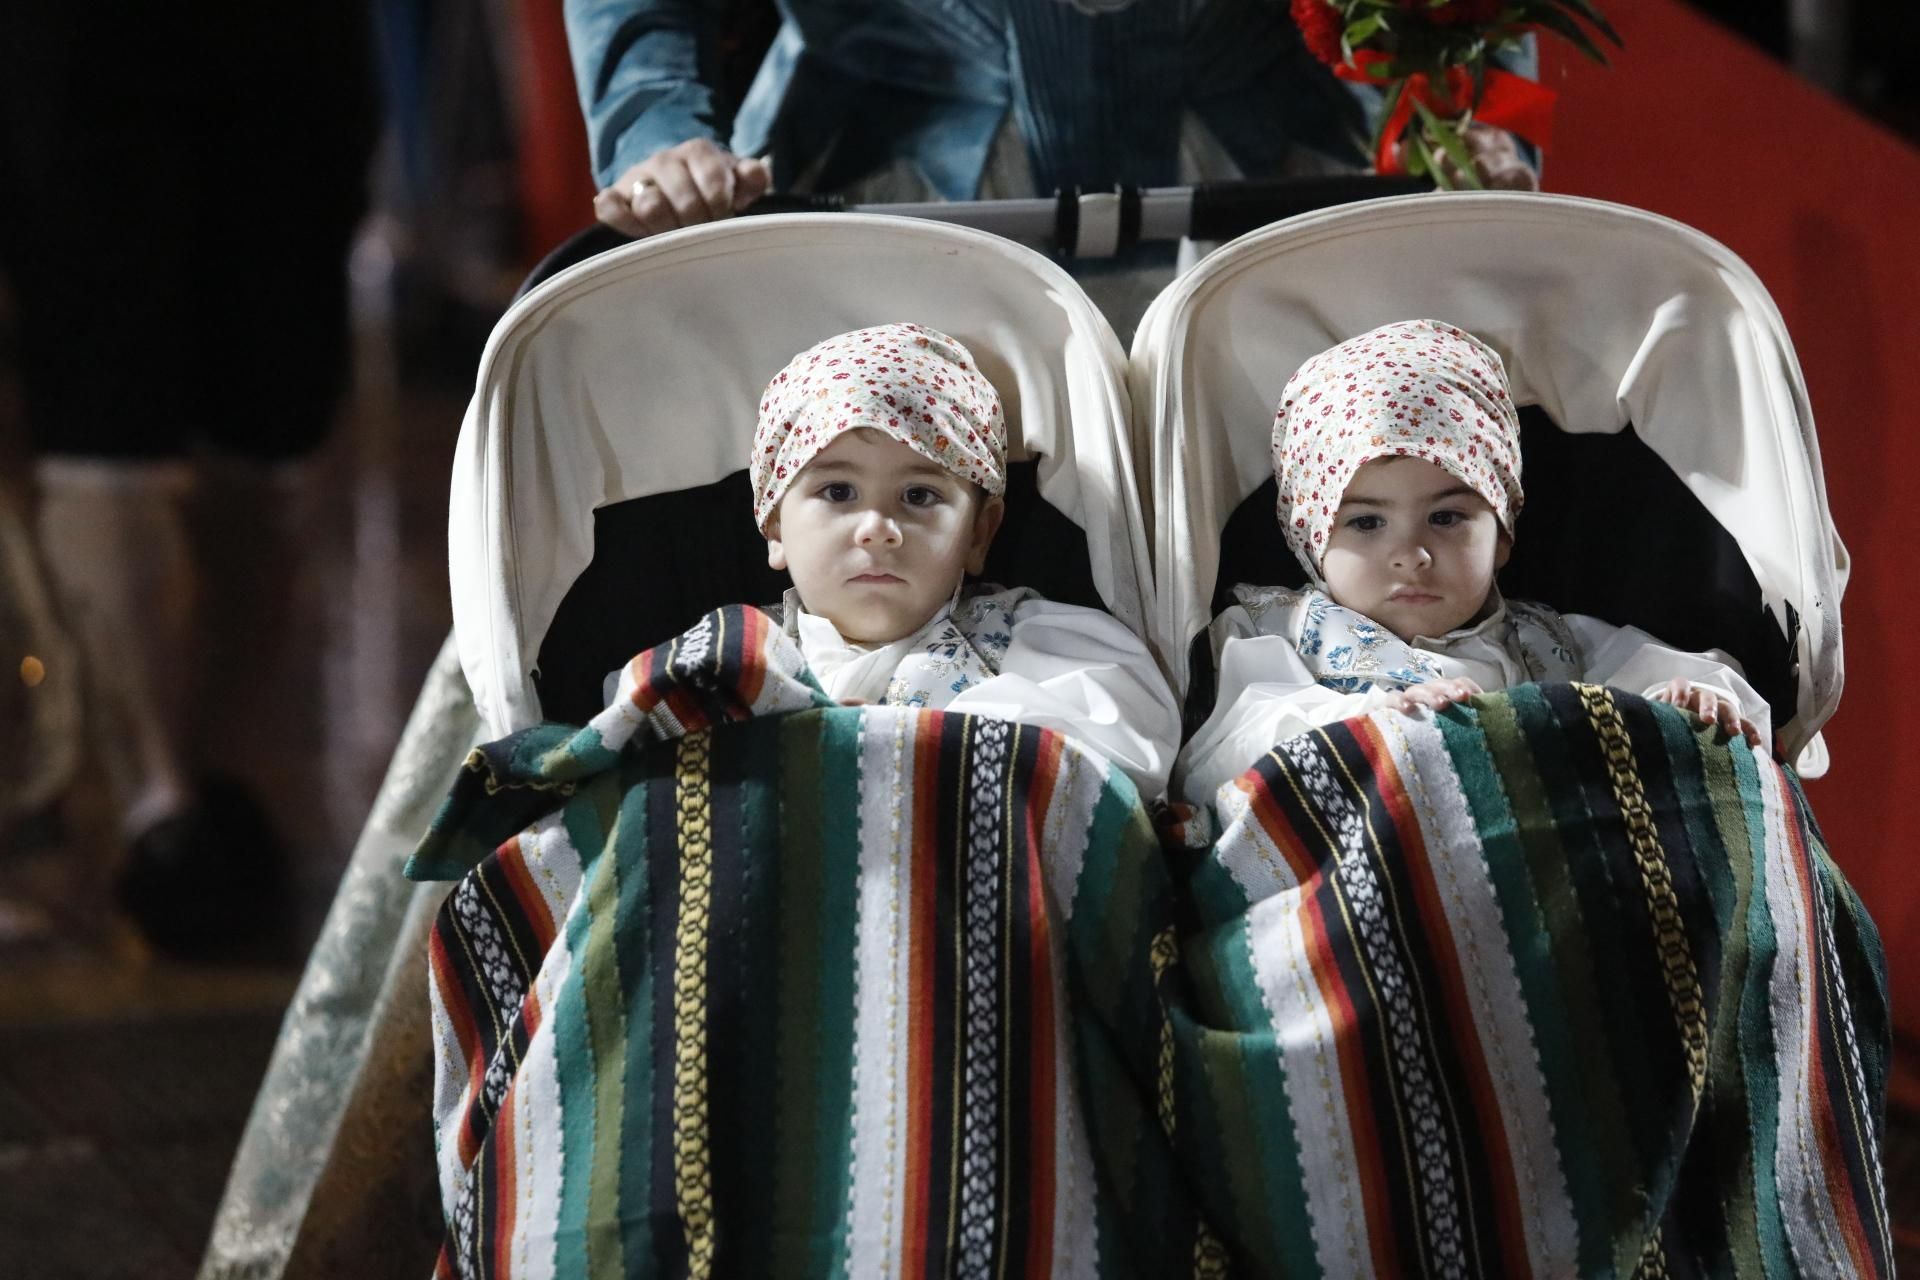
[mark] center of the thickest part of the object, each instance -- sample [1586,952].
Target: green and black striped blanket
[736,981]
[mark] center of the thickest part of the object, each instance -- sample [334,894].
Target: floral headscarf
[1417,388]
[907,381]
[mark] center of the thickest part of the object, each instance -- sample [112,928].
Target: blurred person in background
[182,183]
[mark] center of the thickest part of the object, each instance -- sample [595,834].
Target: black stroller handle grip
[795,202]
[1223,210]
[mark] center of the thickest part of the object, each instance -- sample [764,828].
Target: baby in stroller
[1397,457]
[879,461]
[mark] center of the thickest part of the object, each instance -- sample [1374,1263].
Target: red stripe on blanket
[1452,980]
[505,1197]
[1346,1031]
[753,666]
[1833,1157]
[686,708]
[1266,811]
[923,916]
[645,696]
[532,1014]
[533,904]
[446,979]
[1041,1173]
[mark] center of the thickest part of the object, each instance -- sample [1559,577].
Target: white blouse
[1014,656]
[1267,691]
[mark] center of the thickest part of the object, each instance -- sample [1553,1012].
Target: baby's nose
[877,527]
[1413,553]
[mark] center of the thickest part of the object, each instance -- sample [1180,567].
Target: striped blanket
[1559,983]
[735,981]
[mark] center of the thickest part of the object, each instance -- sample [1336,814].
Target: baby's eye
[1367,523]
[1446,519]
[837,491]
[921,495]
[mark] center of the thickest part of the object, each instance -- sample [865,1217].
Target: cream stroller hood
[1605,316]
[640,372]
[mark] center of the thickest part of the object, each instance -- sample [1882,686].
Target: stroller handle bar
[1075,223]
[1103,224]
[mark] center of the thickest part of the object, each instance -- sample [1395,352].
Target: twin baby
[879,462]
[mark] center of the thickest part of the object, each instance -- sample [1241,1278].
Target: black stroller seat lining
[1607,530]
[661,562]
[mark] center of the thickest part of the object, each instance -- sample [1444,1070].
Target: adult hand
[695,181]
[1496,159]
[1710,706]
[1437,695]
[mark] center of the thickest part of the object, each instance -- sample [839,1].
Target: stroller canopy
[1607,317]
[639,373]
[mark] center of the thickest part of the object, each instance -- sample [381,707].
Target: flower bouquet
[1430,59]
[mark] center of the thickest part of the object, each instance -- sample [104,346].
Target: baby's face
[877,538]
[1413,548]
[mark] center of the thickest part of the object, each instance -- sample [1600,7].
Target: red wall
[556,183]
[1693,123]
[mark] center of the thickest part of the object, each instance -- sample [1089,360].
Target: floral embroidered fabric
[1348,652]
[907,381]
[962,646]
[1417,388]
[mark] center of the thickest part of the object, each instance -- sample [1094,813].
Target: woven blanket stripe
[716,671]
[1481,986]
[1823,1146]
[954,1173]
[1856,1122]
[1404,1088]
[483,953]
[1088,831]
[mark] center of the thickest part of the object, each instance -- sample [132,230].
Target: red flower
[1320,26]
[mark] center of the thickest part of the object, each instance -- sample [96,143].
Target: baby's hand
[1436,694]
[1712,707]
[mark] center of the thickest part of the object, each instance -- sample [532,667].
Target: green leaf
[1562,25]
[1357,34]
[1592,14]
[1420,161]
[1443,132]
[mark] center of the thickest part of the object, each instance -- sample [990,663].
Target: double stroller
[1554,984]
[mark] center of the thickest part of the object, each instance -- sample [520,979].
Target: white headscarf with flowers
[1416,388]
[907,381]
